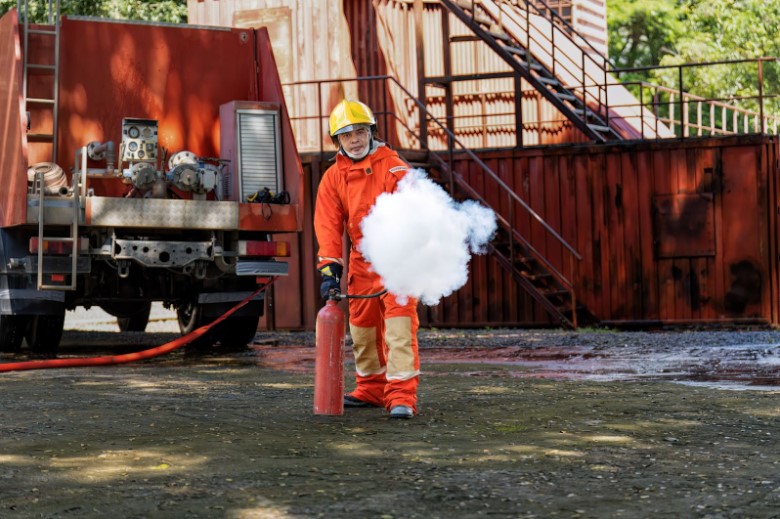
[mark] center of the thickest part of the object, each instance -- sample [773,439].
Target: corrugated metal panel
[589,18]
[484,111]
[377,38]
[259,151]
[600,199]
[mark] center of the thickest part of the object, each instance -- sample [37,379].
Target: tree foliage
[174,11]
[672,33]
[641,32]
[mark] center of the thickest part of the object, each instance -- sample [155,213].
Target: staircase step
[548,80]
[517,51]
[599,128]
[465,4]
[482,20]
[565,97]
[39,101]
[539,276]
[494,32]
[556,293]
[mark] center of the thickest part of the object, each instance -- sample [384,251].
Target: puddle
[685,358]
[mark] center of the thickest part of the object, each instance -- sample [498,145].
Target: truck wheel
[190,319]
[12,328]
[136,322]
[44,334]
[238,331]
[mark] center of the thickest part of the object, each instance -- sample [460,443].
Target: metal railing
[689,114]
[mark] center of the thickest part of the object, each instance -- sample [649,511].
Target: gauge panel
[139,140]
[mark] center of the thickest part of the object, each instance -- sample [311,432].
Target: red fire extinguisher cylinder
[329,360]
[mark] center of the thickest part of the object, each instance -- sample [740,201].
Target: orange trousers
[384,342]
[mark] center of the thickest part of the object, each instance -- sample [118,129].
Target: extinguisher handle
[340,296]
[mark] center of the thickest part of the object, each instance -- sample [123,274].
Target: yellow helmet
[348,115]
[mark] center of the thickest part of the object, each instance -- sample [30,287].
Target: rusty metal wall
[670,232]
[374,38]
[681,232]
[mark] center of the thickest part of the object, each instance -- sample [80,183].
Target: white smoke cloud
[418,239]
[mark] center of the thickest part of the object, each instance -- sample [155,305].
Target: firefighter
[383,328]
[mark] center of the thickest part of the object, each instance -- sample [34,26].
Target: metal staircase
[512,30]
[528,267]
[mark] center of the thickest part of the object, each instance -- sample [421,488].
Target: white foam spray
[419,240]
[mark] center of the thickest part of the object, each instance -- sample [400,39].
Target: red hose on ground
[110,360]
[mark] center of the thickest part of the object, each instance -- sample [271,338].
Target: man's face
[355,143]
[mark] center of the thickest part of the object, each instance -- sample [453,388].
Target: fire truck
[140,163]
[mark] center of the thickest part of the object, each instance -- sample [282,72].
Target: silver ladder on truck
[48,103]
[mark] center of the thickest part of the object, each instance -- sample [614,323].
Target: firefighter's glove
[331,279]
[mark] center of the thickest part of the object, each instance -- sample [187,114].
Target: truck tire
[12,328]
[44,333]
[235,332]
[238,331]
[190,318]
[136,322]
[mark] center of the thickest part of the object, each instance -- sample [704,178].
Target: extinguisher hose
[111,360]
[368,296]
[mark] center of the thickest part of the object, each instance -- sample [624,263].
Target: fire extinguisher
[329,359]
[330,332]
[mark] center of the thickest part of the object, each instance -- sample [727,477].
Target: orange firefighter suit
[383,329]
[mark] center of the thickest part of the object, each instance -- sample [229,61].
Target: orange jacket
[347,193]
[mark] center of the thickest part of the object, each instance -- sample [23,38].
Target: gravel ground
[512,424]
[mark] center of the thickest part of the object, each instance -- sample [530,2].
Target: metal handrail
[685,97]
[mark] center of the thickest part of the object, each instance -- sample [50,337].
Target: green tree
[641,32]
[718,30]
[688,36]
[174,11]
